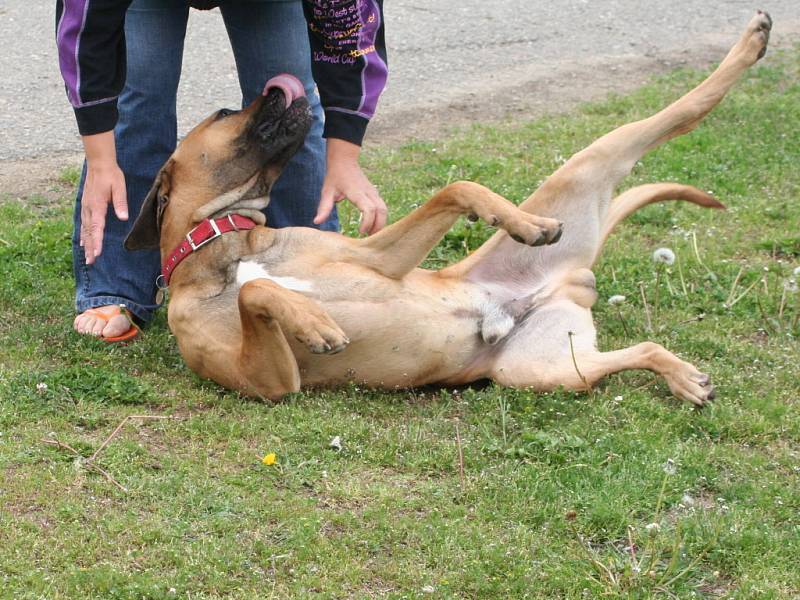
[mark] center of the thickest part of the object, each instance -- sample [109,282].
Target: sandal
[129,335]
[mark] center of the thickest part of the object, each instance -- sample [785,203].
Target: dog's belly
[399,343]
[421,330]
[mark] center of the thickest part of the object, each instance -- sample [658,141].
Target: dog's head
[226,164]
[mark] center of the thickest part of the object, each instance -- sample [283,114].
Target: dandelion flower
[790,285]
[664,255]
[616,299]
[669,467]
[270,459]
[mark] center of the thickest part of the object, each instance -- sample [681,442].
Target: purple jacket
[348,60]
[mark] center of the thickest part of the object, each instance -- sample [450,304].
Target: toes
[534,237]
[555,234]
[324,340]
[79,324]
[96,327]
[693,386]
[314,342]
[765,23]
[88,325]
[762,25]
[702,396]
[115,326]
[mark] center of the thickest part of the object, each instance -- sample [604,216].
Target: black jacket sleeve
[91,53]
[348,60]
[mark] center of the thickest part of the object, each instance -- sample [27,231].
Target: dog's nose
[290,85]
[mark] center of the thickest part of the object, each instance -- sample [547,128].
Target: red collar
[205,232]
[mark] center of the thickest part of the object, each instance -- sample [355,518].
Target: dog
[268,311]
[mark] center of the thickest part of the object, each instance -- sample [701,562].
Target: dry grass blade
[85,462]
[90,463]
[460,459]
[119,427]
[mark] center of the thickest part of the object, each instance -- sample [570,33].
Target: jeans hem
[143,313]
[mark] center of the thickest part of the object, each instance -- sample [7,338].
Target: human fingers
[119,197]
[367,208]
[326,202]
[85,235]
[381,214]
[97,227]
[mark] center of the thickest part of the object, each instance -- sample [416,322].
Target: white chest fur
[249,270]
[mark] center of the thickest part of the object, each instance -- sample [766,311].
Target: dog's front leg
[269,313]
[402,246]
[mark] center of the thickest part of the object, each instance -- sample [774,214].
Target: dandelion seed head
[652,528]
[790,285]
[41,387]
[664,255]
[616,299]
[669,467]
[796,272]
[336,443]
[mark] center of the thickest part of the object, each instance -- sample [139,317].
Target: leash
[207,231]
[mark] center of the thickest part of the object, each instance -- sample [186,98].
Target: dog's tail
[635,198]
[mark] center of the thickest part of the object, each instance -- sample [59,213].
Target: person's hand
[345,179]
[104,183]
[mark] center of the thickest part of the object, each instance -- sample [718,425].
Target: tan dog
[267,311]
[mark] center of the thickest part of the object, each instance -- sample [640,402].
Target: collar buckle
[202,243]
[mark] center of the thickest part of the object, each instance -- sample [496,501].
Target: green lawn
[555,486]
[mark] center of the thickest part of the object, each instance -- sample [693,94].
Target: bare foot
[94,324]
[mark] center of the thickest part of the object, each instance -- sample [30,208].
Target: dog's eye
[224,112]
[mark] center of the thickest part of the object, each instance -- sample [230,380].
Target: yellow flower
[269,459]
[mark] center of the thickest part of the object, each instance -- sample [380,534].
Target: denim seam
[98,301]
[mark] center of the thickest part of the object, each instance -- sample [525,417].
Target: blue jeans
[267,38]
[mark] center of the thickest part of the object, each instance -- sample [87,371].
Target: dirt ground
[441,79]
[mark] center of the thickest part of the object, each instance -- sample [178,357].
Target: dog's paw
[687,383]
[321,335]
[756,36]
[532,230]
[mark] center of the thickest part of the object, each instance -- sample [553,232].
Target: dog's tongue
[288,84]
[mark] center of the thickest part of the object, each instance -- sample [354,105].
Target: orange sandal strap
[107,316]
[103,315]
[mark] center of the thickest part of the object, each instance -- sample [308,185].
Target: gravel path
[451,62]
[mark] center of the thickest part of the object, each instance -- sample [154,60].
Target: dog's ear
[146,231]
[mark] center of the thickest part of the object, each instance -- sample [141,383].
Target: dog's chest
[248,270]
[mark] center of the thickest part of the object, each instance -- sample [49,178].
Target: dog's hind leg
[269,313]
[403,245]
[544,355]
[579,193]
[683,379]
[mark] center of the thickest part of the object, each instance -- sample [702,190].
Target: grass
[558,489]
